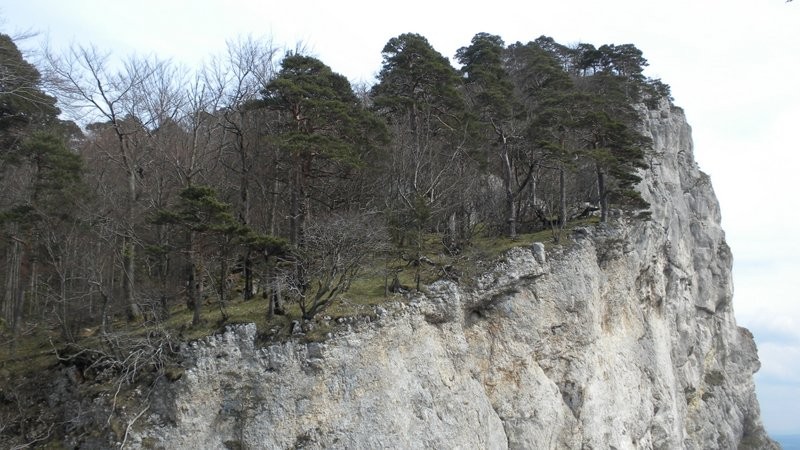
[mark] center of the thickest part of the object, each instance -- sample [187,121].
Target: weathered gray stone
[624,339]
[538,252]
[296,327]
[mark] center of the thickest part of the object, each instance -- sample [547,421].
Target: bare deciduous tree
[335,253]
[239,76]
[92,89]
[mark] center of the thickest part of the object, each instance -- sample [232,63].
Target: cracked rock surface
[624,339]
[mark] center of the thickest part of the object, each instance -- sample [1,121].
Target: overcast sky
[733,66]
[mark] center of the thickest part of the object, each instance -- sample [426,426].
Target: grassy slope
[35,350]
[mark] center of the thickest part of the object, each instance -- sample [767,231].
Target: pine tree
[418,94]
[322,124]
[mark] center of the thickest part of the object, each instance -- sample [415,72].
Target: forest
[135,191]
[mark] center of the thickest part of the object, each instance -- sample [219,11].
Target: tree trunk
[511,207]
[464,225]
[451,232]
[19,303]
[271,306]
[128,253]
[11,280]
[270,293]
[562,199]
[223,286]
[305,200]
[163,272]
[247,292]
[104,311]
[62,284]
[14,295]
[17,320]
[418,261]
[273,207]
[128,269]
[194,290]
[301,204]
[244,219]
[601,188]
[274,295]
[294,206]
[33,301]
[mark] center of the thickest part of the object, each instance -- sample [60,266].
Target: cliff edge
[624,339]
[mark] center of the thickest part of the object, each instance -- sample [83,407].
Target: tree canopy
[248,155]
[267,175]
[266,182]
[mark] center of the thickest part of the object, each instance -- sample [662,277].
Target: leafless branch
[130,424]
[332,257]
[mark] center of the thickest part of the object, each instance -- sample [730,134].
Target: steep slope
[624,339]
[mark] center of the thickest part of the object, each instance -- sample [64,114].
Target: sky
[732,65]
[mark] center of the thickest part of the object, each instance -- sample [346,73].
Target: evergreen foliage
[321,125]
[258,177]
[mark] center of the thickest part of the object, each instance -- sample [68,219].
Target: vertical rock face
[625,339]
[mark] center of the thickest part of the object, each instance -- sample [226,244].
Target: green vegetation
[38,344]
[265,188]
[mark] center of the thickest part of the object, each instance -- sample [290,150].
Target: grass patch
[32,353]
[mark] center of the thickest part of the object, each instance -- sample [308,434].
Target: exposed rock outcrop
[625,339]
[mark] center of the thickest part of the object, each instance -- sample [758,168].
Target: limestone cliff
[624,339]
